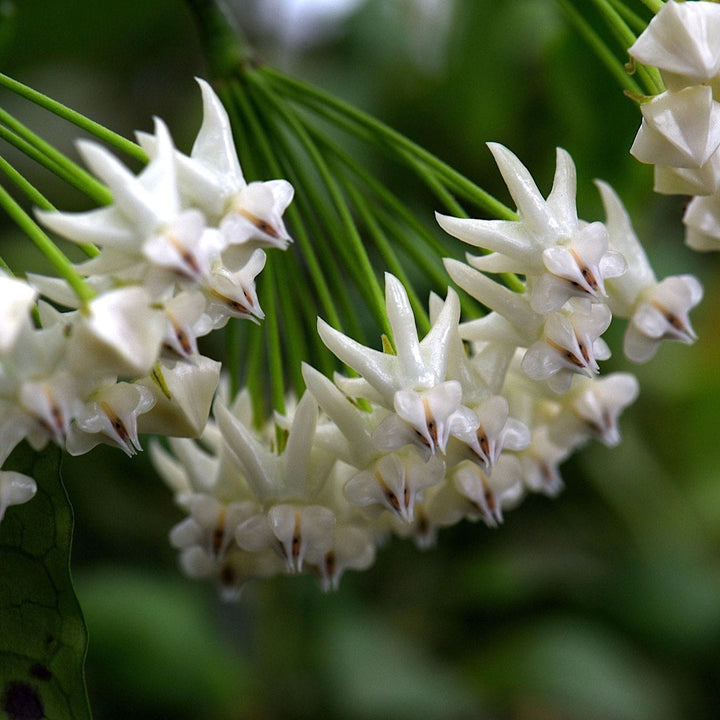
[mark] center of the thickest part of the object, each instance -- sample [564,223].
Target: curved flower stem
[634,21]
[37,198]
[99,131]
[43,152]
[233,355]
[607,57]
[383,245]
[331,106]
[34,154]
[650,77]
[48,248]
[300,233]
[370,285]
[655,5]
[255,372]
[314,206]
[404,227]
[272,334]
[293,330]
[223,43]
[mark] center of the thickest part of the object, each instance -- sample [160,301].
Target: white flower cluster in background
[179,249]
[460,424]
[680,130]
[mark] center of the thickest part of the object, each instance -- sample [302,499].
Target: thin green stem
[255,372]
[224,44]
[428,264]
[393,203]
[48,248]
[404,227]
[292,319]
[331,107]
[299,231]
[272,334]
[388,255]
[650,77]
[370,287]
[311,202]
[27,188]
[69,171]
[37,198]
[634,21]
[655,5]
[233,355]
[99,131]
[607,57]
[34,154]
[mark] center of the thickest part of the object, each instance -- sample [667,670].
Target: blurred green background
[603,603]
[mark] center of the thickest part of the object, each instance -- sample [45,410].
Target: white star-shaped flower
[571,344]
[681,40]
[211,179]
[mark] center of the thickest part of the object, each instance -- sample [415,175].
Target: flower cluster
[680,130]
[179,249]
[457,425]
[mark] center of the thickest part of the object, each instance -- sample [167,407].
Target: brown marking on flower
[218,535]
[569,355]
[585,271]
[296,543]
[670,318]
[117,424]
[389,494]
[262,225]
[185,255]
[330,564]
[180,334]
[430,421]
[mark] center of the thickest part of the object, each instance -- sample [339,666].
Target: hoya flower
[206,540]
[299,472]
[39,396]
[489,494]
[657,310]
[118,333]
[15,489]
[496,431]
[395,482]
[680,129]
[415,365]
[412,381]
[353,548]
[540,462]
[681,40]
[146,225]
[576,269]
[211,179]
[233,294]
[183,393]
[662,314]
[702,223]
[703,180]
[17,297]
[426,418]
[595,407]
[571,344]
[186,321]
[517,245]
[297,532]
[110,416]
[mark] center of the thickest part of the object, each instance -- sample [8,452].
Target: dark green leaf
[43,638]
